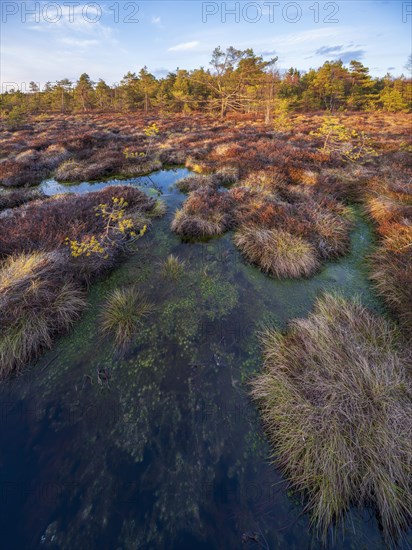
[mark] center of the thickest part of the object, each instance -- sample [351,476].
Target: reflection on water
[169,454]
[160,183]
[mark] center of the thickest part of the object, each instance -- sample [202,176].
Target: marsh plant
[205,213]
[336,401]
[125,310]
[349,144]
[159,209]
[277,252]
[173,268]
[35,305]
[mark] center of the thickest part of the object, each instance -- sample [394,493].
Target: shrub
[277,252]
[124,311]
[46,225]
[337,402]
[343,142]
[35,304]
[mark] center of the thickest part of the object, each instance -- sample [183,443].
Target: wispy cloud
[325,50]
[350,55]
[78,43]
[266,53]
[156,20]
[184,46]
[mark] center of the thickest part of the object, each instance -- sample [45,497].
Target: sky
[51,40]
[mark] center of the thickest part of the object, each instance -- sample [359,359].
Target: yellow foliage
[116,223]
[348,143]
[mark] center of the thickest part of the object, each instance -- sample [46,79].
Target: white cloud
[78,43]
[184,46]
[156,20]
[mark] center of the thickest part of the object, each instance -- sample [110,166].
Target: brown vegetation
[42,283]
[36,303]
[336,401]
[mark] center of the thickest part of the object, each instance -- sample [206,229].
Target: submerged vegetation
[336,400]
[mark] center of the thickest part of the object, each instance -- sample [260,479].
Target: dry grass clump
[197,226]
[227,175]
[336,401]
[159,209]
[392,272]
[36,303]
[343,184]
[277,252]
[331,234]
[170,156]
[223,177]
[195,182]
[389,205]
[135,168]
[124,312]
[86,170]
[205,213]
[318,219]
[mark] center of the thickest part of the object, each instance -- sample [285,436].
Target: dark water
[171,453]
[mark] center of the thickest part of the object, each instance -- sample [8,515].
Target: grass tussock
[389,205]
[17,197]
[392,273]
[205,213]
[277,252]
[173,268]
[159,209]
[35,305]
[336,401]
[195,182]
[125,310]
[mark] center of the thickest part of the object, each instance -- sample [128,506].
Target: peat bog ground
[161,294]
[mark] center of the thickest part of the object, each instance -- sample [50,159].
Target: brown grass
[36,303]
[206,212]
[336,402]
[277,252]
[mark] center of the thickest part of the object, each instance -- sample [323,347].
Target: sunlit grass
[34,306]
[173,268]
[336,401]
[277,252]
[124,311]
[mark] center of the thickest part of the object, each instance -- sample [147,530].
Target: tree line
[236,81]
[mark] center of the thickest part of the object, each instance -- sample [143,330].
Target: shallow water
[171,453]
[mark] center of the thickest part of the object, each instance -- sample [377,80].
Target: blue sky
[62,41]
